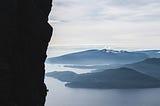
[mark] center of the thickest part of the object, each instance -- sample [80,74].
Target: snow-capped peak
[113,51]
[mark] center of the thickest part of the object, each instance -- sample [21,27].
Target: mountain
[151,53]
[104,56]
[121,78]
[150,66]
[66,76]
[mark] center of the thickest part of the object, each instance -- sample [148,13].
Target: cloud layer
[126,10]
[118,23]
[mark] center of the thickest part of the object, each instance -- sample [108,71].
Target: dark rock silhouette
[25,34]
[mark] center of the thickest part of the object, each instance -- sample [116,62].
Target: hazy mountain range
[151,53]
[143,74]
[149,67]
[95,57]
[113,69]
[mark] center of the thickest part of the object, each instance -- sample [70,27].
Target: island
[121,78]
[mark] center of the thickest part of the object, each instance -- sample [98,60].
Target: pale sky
[126,24]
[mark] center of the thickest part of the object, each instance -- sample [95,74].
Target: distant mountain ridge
[151,53]
[150,66]
[99,57]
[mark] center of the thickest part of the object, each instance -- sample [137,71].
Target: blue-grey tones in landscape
[135,70]
[140,73]
[59,95]
[104,56]
[83,26]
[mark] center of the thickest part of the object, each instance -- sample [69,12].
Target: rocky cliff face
[24,39]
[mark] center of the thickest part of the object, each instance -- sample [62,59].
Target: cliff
[25,34]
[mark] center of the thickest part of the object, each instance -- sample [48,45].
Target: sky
[124,24]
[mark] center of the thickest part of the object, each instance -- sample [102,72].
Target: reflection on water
[59,95]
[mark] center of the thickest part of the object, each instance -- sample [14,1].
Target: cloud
[126,10]
[119,23]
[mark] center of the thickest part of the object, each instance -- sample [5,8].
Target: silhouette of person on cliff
[25,34]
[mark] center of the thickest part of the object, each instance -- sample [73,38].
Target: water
[59,95]
[60,67]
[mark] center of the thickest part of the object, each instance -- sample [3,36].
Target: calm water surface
[59,95]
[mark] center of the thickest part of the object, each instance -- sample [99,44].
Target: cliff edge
[25,34]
